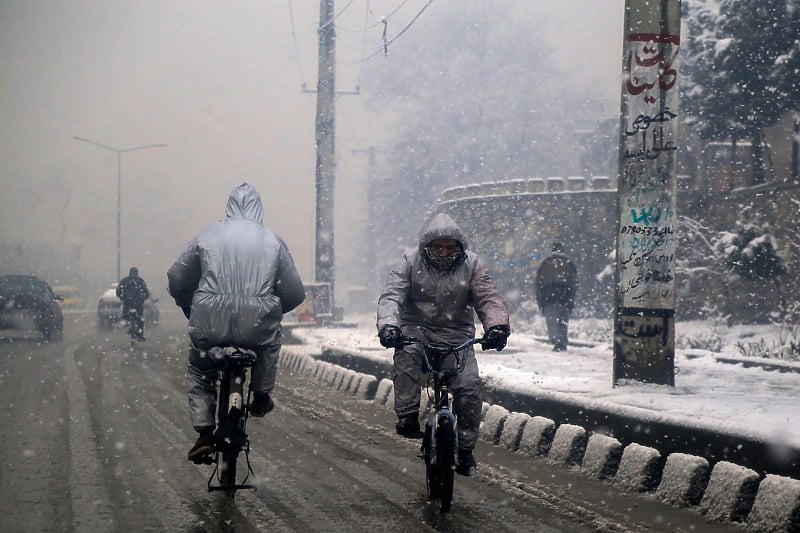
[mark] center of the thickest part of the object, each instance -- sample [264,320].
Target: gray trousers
[556,316]
[467,390]
[203,372]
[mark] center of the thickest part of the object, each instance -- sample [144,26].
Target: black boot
[408,427]
[203,446]
[261,404]
[466,463]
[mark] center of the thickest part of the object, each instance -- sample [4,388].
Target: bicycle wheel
[227,468]
[227,451]
[432,477]
[445,461]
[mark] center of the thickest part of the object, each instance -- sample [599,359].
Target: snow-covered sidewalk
[732,398]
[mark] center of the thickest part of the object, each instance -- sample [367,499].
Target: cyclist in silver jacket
[434,293]
[234,281]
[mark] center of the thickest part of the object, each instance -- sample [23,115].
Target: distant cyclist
[132,291]
[234,281]
[434,293]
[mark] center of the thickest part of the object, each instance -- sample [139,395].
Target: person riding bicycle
[234,281]
[132,292]
[433,293]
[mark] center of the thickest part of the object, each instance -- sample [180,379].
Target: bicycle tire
[228,456]
[432,478]
[445,459]
[228,472]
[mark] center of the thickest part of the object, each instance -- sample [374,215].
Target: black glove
[187,310]
[390,337]
[495,338]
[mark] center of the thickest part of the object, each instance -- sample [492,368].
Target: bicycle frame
[133,323]
[439,447]
[232,413]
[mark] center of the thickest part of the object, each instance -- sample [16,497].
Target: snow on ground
[746,401]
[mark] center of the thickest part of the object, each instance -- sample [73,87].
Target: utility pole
[326,153]
[644,320]
[795,150]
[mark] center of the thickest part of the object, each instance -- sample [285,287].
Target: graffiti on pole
[645,290]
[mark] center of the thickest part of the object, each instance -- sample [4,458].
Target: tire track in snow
[91,508]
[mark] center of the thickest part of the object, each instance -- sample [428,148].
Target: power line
[385,47]
[378,21]
[336,16]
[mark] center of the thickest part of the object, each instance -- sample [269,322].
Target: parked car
[29,303]
[109,309]
[70,296]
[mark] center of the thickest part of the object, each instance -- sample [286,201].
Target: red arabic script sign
[649,63]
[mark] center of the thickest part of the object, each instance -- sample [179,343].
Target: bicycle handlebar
[441,346]
[434,352]
[233,354]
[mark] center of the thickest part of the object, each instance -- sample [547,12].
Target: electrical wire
[385,47]
[323,26]
[378,21]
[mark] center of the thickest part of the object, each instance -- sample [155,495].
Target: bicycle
[230,438]
[439,449]
[134,325]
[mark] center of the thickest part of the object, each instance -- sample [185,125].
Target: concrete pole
[326,153]
[644,321]
[795,150]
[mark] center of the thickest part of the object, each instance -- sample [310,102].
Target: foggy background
[220,85]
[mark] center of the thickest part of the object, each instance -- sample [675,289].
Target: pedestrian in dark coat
[556,283]
[132,291]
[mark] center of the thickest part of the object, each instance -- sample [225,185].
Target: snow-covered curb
[728,492]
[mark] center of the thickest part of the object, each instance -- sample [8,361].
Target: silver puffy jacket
[238,277]
[418,294]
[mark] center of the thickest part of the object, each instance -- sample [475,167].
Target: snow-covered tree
[736,55]
[755,266]
[787,64]
[751,252]
[477,98]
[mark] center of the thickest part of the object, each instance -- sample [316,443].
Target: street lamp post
[119,152]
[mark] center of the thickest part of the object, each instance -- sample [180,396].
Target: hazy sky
[219,83]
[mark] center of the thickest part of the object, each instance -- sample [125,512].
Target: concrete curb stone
[568,446]
[730,493]
[356,383]
[638,468]
[385,386]
[492,424]
[684,480]
[777,505]
[367,386]
[347,379]
[512,430]
[537,436]
[337,383]
[602,456]
[330,375]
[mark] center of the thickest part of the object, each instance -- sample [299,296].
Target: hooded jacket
[419,294]
[238,277]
